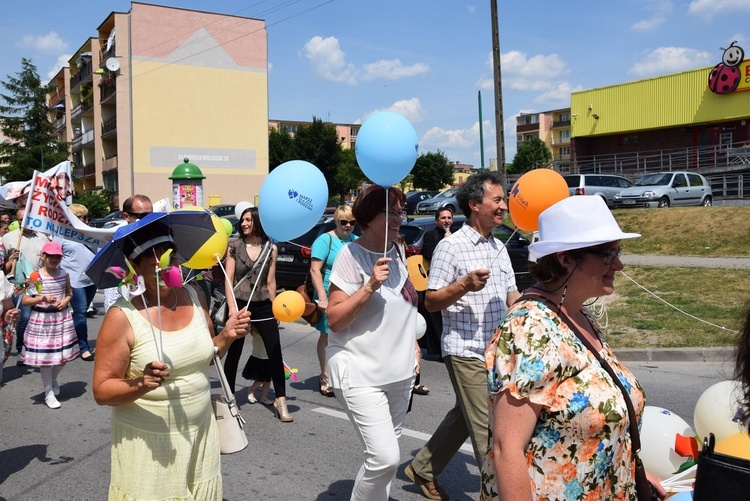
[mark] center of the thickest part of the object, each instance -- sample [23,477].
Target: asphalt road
[64,454]
[687,261]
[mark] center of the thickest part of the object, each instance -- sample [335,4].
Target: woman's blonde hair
[78,210]
[343,212]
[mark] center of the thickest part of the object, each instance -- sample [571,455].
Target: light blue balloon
[292,199]
[682,496]
[386,148]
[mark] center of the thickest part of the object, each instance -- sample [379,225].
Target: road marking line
[466,447]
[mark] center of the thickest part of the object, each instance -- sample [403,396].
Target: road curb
[720,354]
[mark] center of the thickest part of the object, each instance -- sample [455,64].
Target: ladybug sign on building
[727,76]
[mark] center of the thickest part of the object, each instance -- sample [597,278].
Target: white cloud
[329,62]
[661,10]
[61,63]
[707,9]
[559,96]
[409,108]
[445,139]
[666,60]
[539,66]
[471,8]
[392,69]
[51,43]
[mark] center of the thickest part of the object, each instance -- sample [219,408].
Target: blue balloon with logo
[292,199]
[386,148]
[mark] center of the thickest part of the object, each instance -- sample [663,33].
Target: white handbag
[231,425]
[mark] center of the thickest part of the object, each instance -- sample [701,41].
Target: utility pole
[481,130]
[499,125]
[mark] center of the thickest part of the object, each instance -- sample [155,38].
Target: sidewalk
[688,261]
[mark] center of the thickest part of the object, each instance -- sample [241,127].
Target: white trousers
[377,413]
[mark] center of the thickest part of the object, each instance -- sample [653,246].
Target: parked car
[664,189]
[293,259]
[99,222]
[413,231]
[447,198]
[414,197]
[222,210]
[603,185]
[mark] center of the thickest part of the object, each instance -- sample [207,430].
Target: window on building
[564,134]
[110,181]
[628,139]
[564,117]
[725,140]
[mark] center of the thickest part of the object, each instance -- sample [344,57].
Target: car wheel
[707,202]
[663,203]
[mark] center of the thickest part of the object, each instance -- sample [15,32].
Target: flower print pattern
[580,447]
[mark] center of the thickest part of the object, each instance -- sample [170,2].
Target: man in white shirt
[472,282]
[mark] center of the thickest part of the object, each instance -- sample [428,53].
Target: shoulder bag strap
[255,265]
[325,261]
[635,437]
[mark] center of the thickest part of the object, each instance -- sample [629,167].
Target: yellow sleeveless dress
[165,445]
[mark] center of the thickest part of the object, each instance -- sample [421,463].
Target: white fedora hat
[574,223]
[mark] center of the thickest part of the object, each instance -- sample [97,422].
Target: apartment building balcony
[59,123]
[77,143]
[563,157]
[109,164]
[527,127]
[87,137]
[87,105]
[106,53]
[561,141]
[84,172]
[109,127]
[561,123]
[84,72]
[56,98]
[108,89]
[76,112]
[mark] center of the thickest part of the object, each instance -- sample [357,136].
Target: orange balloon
[533,193]
[737,445]
[288,306]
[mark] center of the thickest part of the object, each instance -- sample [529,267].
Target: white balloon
[659,428]
[421,326]
[241,207]
[716,408]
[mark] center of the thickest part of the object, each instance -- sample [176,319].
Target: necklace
[171,308]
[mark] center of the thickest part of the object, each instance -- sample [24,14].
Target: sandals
[325,388]
[420,389]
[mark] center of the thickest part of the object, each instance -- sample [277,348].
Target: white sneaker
[55,387]
[251,398]
[52,402]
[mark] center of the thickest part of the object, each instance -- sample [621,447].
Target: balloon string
[160,347]
[260,274]
[503,244]
[387,220]
[151,324]
[231,289]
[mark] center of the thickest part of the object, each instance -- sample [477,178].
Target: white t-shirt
[377,348]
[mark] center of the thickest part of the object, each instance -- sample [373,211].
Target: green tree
[318,143]
[98,203]
[348,176]
[432,171]
[280,147]
[532,154]
[24,120]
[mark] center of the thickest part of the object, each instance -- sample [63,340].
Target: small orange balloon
[288,306]
[737,445]
[533,193]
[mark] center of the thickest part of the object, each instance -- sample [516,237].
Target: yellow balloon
[737,445]
[213,250]
[288,306]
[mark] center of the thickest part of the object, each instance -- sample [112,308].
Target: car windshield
[655,180]
[573,181]
[410,234]
[447,193]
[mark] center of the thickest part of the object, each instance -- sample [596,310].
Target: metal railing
[108,88]
[109,125]
[109,164]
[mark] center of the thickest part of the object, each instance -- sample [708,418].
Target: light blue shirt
[76,258]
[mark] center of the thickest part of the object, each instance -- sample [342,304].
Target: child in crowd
[50,339]
[258,368]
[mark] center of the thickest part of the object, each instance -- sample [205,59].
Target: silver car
[446,198]
[664,189]
[603,185]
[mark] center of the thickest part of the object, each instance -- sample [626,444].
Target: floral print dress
[580,448]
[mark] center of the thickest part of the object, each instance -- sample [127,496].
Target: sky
[344,60]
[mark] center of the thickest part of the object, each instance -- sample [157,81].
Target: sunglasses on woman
[346,222]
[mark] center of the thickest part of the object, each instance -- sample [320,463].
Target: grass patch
[687,231]
[635,319]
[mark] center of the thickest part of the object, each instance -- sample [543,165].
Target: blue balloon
[682,496]
[386,148]
[292,199]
